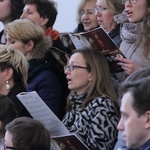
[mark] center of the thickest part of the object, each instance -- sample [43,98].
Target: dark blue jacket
[44,80]
[121,145]
[18,88]
[115,35]
[146,146]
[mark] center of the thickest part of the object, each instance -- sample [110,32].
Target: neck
[44,27]
[111,27]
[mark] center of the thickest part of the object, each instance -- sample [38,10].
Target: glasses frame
[99,9]
[131,1]
[72,67]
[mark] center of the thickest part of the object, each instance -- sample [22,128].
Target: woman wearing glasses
[92,108]
[135,33]
[105,11]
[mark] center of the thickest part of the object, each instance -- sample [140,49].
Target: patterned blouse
[96,124]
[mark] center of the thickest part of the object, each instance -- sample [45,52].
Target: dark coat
[18,88]
[58,44]
[79,28]
[44,80]
[1,34]
[115,35]
[146,146]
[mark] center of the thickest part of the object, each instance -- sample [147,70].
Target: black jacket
[115,35]
[18,88]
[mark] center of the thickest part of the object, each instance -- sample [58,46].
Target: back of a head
[32,134]
[139,74]
[7,112]
[10,58]
[46,9]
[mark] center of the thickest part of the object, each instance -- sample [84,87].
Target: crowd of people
[81,92]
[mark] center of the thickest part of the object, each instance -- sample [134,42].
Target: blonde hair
[144,32]
[25,30]
[10,58]
[115,6]
[80,7]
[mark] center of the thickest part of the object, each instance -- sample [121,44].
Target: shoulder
[47,75]
[102,100]
[102,103]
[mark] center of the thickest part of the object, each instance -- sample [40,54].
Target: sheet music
[41,112]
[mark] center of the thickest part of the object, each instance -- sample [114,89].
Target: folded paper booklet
[58,132]
[67,142]
[95,39]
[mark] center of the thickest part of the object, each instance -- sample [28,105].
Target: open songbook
[94,39]
[61,138]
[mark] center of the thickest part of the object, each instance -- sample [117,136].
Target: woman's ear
[44,21]
[147,122]
[29,46]
[90,77]
[8,73]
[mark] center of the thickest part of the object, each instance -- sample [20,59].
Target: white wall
[1,26]
[67,14]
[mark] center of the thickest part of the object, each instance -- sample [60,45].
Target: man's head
[43,12]
[135,109]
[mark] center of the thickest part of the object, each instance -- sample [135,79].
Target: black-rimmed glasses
[131,1]
[72,67]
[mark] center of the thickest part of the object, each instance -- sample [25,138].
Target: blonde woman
[86,17]
[13,76]
[44,76]
[105,11]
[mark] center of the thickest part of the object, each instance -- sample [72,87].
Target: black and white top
[96,125]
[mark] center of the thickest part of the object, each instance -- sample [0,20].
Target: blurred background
[67,14]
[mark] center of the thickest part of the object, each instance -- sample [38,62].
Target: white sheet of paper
[41,112]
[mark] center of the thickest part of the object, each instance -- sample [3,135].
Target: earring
[7,85]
